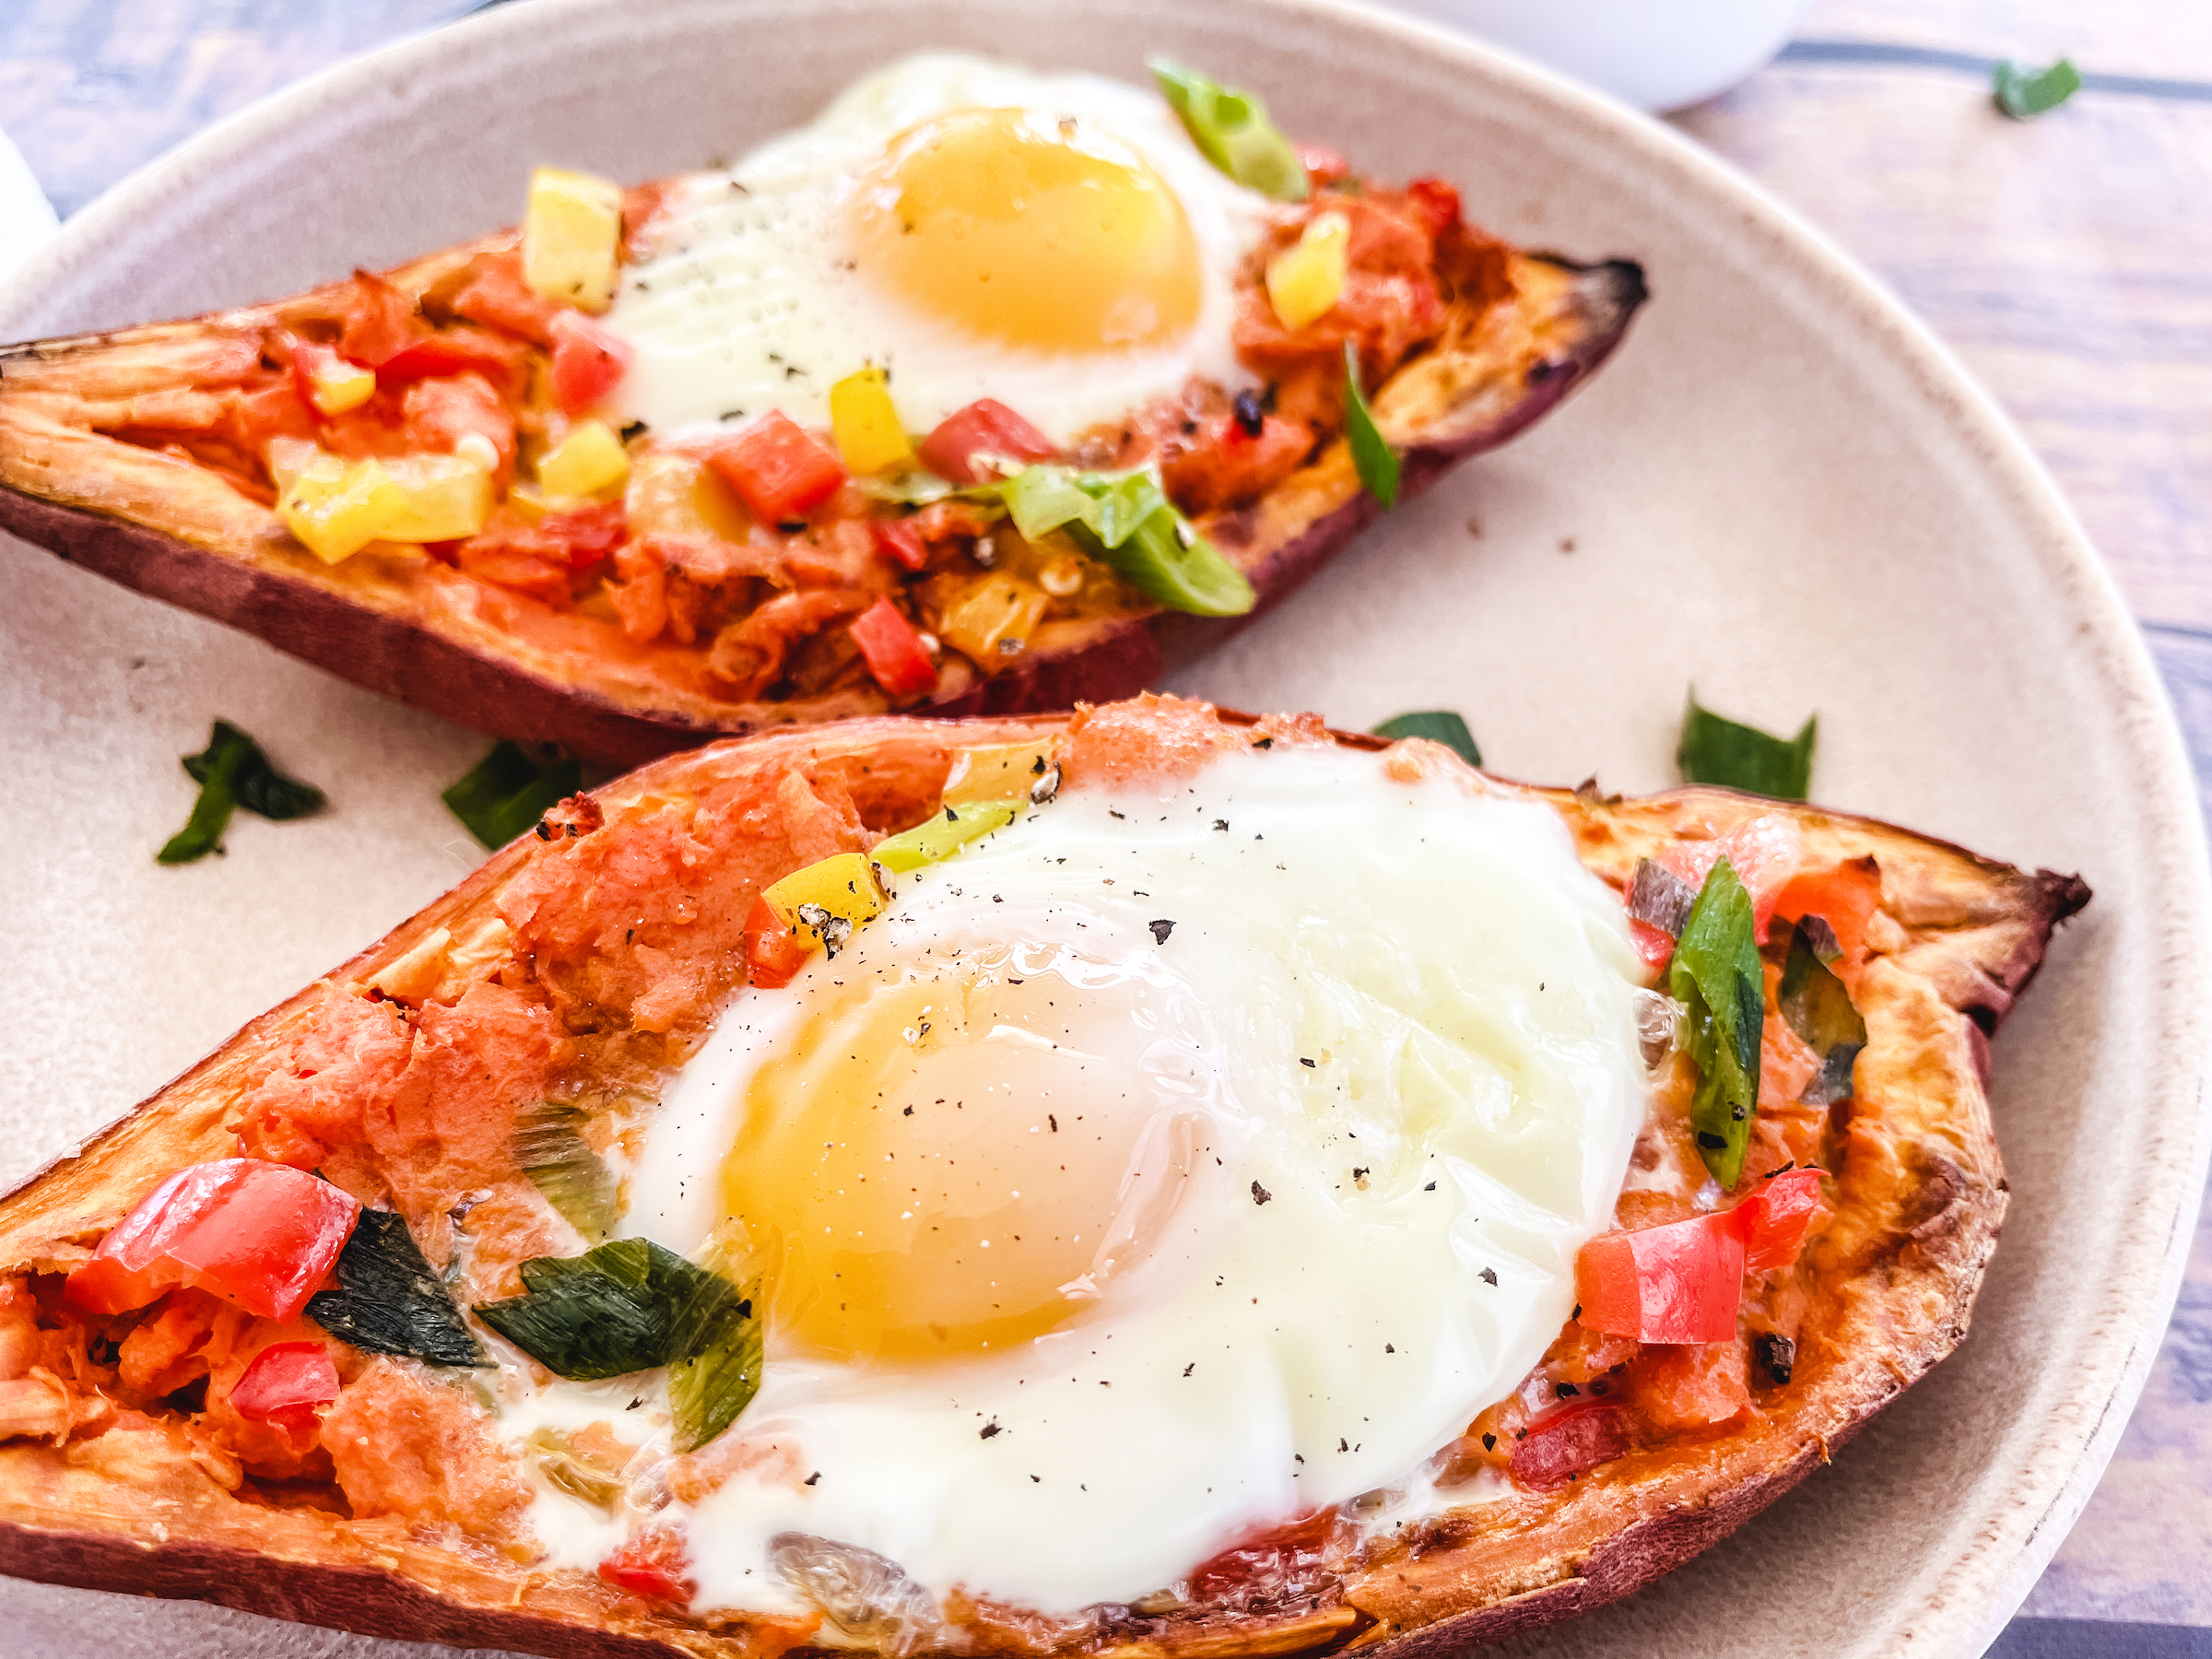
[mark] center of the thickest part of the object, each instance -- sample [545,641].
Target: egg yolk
[951,1164]
[1031,232]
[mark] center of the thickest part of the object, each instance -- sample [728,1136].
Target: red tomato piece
[773,953]
[653,1565]
[1679,1282]
[1655,946]
[588,360]
[379,323]
[435,356]
[284,1383]
[1262,1561]
[1764,852]
[899,541]
[985,427]
[1322,166]
[777,470]
[893,649]
[260,1235]
[438,413]
[1438,201]
[1571,1442]
[1773,1218]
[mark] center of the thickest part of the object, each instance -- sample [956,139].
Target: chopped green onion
[1231,130]
[1717,750]
[1439,726]
[232,772]
[1126,521]
[259,787]
[508,792]
[2022,92]
[386,1299]
[943,833]
[630,1306]
[549,1148]
[1717,978]
[722,1347]
[1816,1007]
[1371,453]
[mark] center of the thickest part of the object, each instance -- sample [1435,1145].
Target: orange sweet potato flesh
[176,529]
[574,952]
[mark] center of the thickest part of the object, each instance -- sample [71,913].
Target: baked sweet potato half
[181,1419]
[551,565]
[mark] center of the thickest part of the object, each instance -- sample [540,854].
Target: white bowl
[1782,488]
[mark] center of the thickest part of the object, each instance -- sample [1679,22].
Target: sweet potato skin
[1981,932]
[1280,542]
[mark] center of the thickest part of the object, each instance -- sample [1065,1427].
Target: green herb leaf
[509,791]
[1125,520]
[1717,750]
[258,786]
[721,1344]
[1716,977]
[1231,130]
[2022,92]
[1371,453]
[387,1300]
[1817,1008]
[549,1148]
[1439,726]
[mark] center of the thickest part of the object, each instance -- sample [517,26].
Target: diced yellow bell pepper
[448,497]
[337,510]
[999,771]
[1305,280]
[944,834]
[865,424]
[829,897]
[994,619]
[571,234]
[340,386]
[678,495]
[589,461]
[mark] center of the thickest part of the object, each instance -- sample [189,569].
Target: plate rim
[1959,1615]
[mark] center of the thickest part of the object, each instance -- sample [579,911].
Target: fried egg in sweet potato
[629,598]
[601,962]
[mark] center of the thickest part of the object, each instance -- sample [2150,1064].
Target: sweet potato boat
[518,972]
[141,454]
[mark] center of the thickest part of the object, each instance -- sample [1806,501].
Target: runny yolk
[1029,232]
[945,1166]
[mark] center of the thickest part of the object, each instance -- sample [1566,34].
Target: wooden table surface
[2067,260]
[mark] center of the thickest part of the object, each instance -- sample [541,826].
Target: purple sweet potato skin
[398,657]
[361,1599]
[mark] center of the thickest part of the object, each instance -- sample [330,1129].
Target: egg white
[1465,990]
[752,301]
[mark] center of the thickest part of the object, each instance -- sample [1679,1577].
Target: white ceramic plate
[1782,488]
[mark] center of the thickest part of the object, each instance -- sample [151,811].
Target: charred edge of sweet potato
[397,657]
[365,1600]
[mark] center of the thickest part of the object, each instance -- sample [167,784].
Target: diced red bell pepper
[263,1236]
[899,541]
[284,1383]
[1774,1217]
[379,320]
[773,953]
[777,470]
[1322,166]
[1571,1442]
[1679,1282]
[893,649]
[653,1564]
[985,427]
[1262,1560]
[1438,200]
[589,361]
[1654,945]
